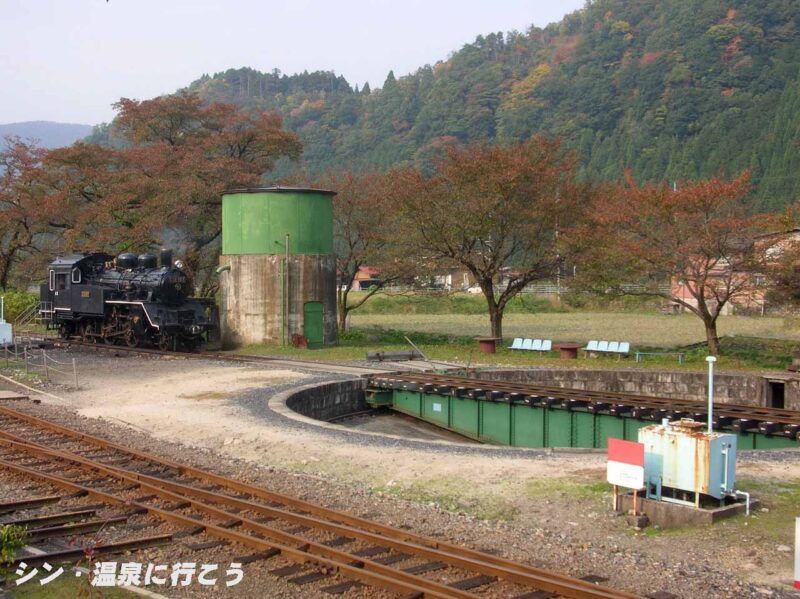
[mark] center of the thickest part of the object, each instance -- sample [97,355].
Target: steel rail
[365,571]
[449,384]
[490,384]
[572,588]
[263,493]
[385,533]
[543,581]
[308,364]
[494,384]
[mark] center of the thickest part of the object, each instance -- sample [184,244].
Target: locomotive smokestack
[165,257]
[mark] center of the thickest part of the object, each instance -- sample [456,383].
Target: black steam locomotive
[129,300]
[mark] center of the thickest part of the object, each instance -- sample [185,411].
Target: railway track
[332,367]
[740,418]
[256,524]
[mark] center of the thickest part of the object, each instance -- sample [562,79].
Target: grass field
[740,353]
[654,330]
[444,327]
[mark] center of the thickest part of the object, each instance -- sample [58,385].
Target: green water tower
[277,268]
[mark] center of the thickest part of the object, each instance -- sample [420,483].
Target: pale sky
[69,60]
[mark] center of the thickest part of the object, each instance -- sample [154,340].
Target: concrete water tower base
[262,301]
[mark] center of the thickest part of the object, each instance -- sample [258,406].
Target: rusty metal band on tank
[130,300]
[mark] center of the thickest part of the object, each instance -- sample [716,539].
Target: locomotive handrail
[135,303]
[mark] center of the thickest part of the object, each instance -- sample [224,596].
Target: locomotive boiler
[130,300]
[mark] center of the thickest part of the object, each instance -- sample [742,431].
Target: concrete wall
[728,388]
[674,515]
[330,401]
[251,297]
[792,392]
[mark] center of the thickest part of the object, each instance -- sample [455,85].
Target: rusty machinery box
[682,456]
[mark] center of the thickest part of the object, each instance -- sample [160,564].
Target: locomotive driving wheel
[164,342]
[131,339]
[86,333]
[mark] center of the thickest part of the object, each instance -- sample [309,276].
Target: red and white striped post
[625,468]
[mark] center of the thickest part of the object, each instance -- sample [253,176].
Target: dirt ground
[170,399]
[559,499]
[195,402]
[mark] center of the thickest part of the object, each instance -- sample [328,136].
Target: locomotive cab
[66,292]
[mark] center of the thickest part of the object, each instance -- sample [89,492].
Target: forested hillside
[50,134]
[672,89]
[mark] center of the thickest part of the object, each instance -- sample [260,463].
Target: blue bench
[524,344]
[618,348]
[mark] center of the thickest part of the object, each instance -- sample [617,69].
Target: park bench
[617,348]
[524,344]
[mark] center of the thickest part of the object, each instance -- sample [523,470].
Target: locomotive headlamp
[179,264]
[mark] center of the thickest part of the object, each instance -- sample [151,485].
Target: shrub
[12,539]
[16,302]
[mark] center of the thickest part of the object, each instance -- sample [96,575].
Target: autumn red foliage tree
[165,185]
[693,246]
[24,217]
[363,225]
[501,212]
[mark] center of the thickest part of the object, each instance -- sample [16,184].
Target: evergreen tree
[671,89]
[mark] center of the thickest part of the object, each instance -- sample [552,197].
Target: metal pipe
[424,357]
[283,302]
[747,500]
[710,360]
[286,293]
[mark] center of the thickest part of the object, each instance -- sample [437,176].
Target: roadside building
[365,278]
[752,298]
